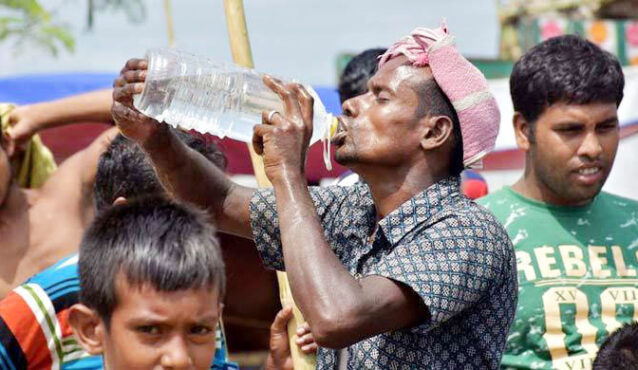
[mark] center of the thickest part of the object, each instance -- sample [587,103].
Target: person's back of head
[620,350]
[125,171]
[354,79]
[152,278]
[566,69]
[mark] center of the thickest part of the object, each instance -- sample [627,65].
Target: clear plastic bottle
[222,99]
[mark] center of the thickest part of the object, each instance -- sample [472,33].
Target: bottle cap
[333,127]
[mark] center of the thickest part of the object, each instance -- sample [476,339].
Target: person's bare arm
[186,174]
[340,309]
[27,120]
[76,177]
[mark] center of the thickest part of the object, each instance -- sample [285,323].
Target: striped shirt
[34,327]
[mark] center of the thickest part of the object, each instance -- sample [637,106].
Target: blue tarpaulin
[42,87]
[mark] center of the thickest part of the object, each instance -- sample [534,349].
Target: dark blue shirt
[453,253]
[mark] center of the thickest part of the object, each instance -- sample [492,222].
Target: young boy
[43,301]
[152,282]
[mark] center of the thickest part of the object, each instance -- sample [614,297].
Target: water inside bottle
[227,104]
[224,100]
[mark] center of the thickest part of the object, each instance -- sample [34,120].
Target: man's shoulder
[476,223]
[479,210]
[618,201]
[501,202]
[501,195]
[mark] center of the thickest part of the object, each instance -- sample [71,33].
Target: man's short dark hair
[354,79]
[125,171]
[620,350]
[149,240]
[434,102]
[567,69]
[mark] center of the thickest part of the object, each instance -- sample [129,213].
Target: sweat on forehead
[399,70]
[402,62]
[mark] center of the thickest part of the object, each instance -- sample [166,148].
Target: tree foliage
[27,22]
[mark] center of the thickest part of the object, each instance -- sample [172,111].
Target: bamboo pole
[169,23]
[240,48]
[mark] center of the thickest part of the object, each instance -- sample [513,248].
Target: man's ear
[437,130]
[522,131]
[88,327]
[119,201]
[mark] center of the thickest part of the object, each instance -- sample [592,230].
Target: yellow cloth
[36,165]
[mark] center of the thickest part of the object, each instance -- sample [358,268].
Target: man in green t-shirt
[576,247]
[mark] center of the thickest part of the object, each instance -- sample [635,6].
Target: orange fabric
[65,327]
[26,330]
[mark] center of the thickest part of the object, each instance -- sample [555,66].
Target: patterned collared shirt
[453,253]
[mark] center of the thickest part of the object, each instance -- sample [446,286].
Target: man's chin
[344,159]
[585,195]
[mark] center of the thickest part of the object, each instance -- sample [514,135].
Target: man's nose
[349,107]
[590,146]
[176,354]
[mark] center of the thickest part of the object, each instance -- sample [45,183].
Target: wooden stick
[169,23]
[240,47]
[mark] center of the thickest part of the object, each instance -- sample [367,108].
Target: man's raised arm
[185,174]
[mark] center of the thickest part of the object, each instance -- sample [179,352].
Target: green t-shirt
[577,273]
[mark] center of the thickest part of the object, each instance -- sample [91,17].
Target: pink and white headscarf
[462,83]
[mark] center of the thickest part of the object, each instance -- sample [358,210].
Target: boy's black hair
[354,79]
[125,171]
[566,69]
[149,240]
[620,350]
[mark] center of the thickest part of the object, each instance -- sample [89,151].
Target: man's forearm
[189,176]
[322,287]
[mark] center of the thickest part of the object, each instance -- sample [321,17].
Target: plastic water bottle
[222,99]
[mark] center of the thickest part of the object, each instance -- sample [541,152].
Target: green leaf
[30,23]
[61,34]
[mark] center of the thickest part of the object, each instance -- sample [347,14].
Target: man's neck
[528,187]
[394,187]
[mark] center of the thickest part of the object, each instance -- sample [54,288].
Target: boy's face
[159,330]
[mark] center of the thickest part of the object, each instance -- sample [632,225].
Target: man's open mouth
[339,137]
